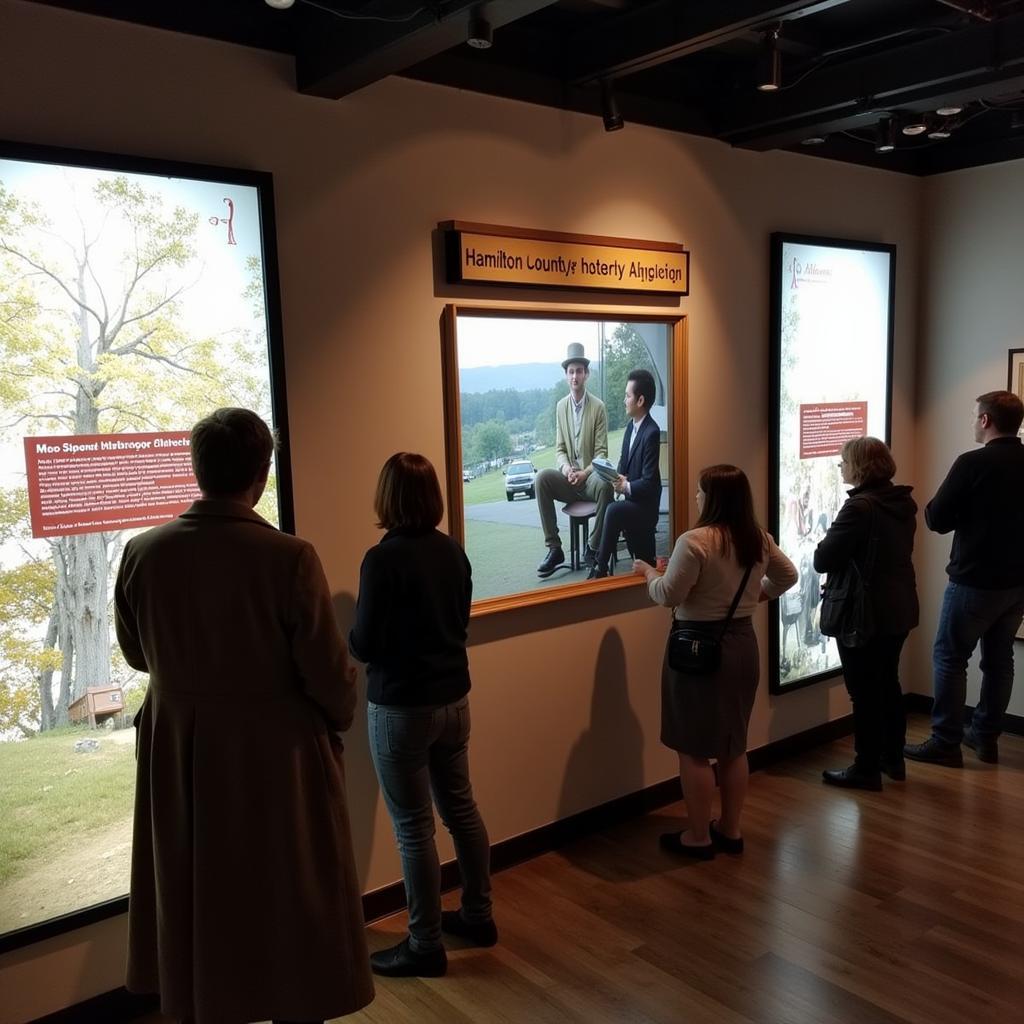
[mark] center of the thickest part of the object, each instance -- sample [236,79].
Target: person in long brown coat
[245,903]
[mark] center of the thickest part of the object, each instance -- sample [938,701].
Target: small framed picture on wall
[1015,383]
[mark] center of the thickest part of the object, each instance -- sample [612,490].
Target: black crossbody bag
[694,650]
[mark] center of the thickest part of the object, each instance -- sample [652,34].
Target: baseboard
[122,1006]
[1013,724]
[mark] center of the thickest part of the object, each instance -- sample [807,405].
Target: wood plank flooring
[847,908]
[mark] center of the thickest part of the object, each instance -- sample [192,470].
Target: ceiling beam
[667,30]
[341,56]
[980,62]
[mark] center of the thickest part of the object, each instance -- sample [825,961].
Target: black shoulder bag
[846,611]
[692,650]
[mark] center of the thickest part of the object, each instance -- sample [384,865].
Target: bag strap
[735,601]
[871,548]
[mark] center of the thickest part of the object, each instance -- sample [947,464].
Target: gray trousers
[551,486]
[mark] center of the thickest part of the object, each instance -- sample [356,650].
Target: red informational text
[827,426]
[94,483]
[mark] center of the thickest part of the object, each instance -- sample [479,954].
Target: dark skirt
[707,716]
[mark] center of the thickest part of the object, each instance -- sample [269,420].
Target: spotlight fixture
[949,111]
[885,135]
[940,131]
[480,35]
[769,64]
[814,140]
[916,125]
[610,112]
[280,5]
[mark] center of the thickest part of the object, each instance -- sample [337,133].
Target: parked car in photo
[519,478]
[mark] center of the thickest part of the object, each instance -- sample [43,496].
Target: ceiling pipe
[979,9]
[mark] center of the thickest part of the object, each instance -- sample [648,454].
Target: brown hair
[1004,409]
[869,459]
[408,494]
[230,448]
[729,508]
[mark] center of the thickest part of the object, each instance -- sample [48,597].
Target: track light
[940,131]
[279,5]
[917,125]
[610,113]
[814,140]
[949,111]
[769,64]
[480,35]
[885,135]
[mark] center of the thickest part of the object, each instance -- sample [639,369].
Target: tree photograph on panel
[130,306]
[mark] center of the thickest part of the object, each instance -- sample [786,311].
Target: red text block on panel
[92,483]
[826,426]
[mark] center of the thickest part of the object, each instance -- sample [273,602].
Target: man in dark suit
[639,480]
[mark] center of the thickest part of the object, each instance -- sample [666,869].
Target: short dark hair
[230,449]
[1004,409]
[729,509]
[869,459]
[408,493]
[643,385]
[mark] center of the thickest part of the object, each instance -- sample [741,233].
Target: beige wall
[972,313]
[565,699]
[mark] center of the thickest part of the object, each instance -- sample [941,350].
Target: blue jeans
[418,751]
[970,615]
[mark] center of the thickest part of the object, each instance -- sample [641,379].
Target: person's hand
[567,472]
[662,563]
[619,485]
[642,568]
[574,477]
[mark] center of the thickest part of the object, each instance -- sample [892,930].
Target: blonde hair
[869,459]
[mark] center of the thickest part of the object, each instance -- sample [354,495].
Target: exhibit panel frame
[194,209]
[832,325]
[671,417]
[1015,383]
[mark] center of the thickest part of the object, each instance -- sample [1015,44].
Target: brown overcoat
[244,899]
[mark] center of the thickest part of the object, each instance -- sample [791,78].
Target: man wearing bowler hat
[581,435]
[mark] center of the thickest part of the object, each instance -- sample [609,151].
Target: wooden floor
[860,908]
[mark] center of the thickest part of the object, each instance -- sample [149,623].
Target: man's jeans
[970,614]
[416,751]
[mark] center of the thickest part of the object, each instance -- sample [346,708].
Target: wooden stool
[579,513]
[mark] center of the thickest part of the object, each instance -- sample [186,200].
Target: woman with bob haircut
[410,627]
[875,530]
[706,716]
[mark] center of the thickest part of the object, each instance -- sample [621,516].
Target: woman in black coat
[878,509]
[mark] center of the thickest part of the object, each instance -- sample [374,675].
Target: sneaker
[480,933]
[987,750]
[552,560]
[853,777]
[402,961]
[934,751]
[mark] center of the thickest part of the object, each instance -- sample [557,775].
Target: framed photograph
[831,380]
[534,399]
[138,296]
[1015,383]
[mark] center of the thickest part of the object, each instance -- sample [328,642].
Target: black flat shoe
[724,843]
[480,933]
[672,843]
[402,961]
[597,573]
[934,751]
[894,767]
[987,750]
[853,778]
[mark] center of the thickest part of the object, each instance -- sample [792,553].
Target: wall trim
[120,1006]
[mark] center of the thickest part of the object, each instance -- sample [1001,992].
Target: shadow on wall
[607,760]
[360,779]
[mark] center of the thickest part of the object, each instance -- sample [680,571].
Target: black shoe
[402,961]
[589,556]
[597,573]
[671,842]
[853,778]
[894,767]
[480,933]
[552,560]
[934,751]
[987,750]
[724,843]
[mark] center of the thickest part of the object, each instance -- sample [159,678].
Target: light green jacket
[593,433]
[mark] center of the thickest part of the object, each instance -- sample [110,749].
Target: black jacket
[640,466]
[982,499]
[890,512]
[412,613]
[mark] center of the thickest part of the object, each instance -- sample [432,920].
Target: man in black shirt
[982,500]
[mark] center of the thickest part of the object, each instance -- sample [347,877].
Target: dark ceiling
[851,72]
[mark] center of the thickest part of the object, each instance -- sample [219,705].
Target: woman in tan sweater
[705,717]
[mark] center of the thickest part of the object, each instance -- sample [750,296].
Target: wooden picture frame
[674,462]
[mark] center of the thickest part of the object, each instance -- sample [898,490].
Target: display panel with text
[135,298]
[832,317]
